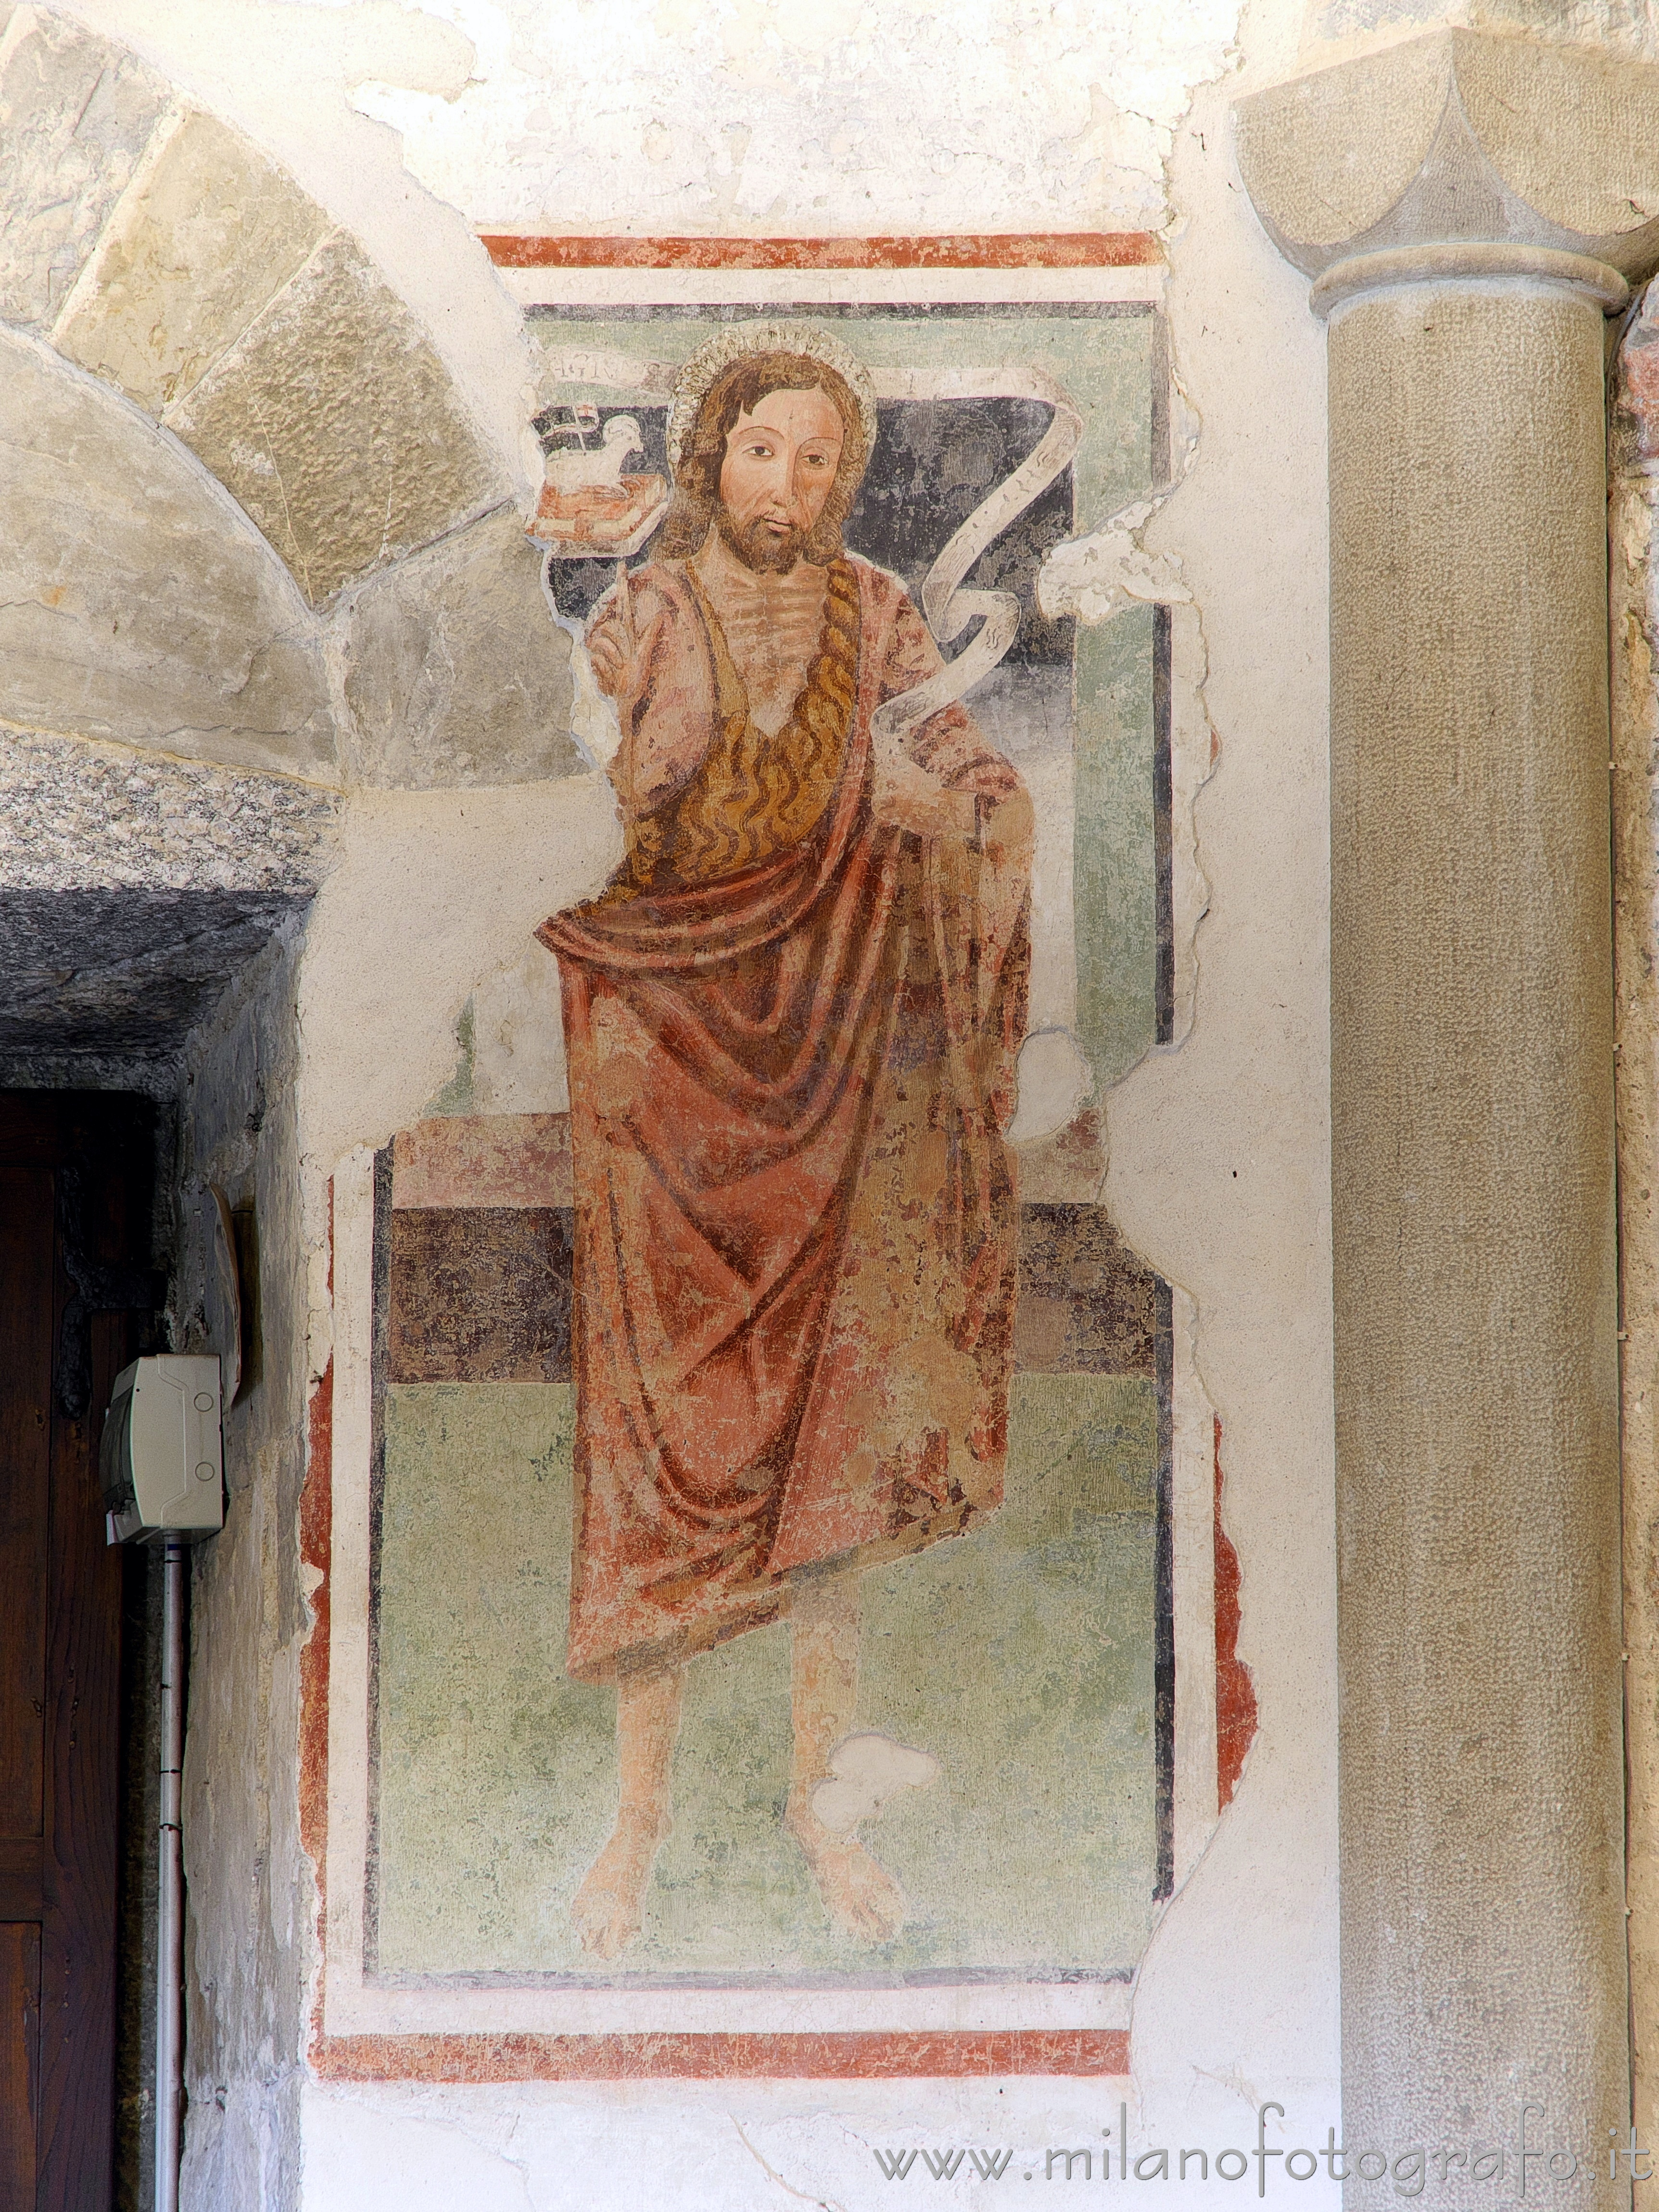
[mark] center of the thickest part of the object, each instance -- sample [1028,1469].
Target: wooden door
[75,1285]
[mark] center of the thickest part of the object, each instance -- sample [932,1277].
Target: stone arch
[137,602]
[255,553]
[257,372]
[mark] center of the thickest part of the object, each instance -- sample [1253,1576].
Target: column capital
[1465,154]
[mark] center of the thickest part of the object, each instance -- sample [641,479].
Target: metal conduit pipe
[170,1919]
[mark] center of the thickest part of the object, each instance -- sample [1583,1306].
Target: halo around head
[717,353]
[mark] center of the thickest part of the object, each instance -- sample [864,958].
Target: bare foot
[608,1907]
[861,1896]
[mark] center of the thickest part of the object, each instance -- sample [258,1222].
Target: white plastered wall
[1019,118]
[1220,1167]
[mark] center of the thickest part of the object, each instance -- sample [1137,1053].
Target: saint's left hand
[905,796]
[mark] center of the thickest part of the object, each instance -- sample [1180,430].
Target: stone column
[1472,209]
[1633,547]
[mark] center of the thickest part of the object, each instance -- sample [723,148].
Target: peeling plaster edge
[1187,426]
[313,1536]
[1189,677]
[1189,1318]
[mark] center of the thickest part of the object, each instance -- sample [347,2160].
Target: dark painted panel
[484,1295]
[479,1296]
[1087,1304]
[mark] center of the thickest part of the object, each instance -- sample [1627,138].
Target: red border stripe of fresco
[1064,249]
[883,2054]
[874,2055]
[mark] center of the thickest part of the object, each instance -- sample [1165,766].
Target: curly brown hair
[738,391]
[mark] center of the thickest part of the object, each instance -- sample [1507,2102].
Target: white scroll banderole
[948,608]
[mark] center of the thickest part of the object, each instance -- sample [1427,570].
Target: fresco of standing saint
[791,1020]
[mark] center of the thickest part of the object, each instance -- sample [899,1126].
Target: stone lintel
[1543,157]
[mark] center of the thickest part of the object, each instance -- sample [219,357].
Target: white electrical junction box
[161,1463]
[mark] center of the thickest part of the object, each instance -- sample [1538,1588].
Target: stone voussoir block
[76,116]
[455,671]
[136,603]
[206,236]
[337,428]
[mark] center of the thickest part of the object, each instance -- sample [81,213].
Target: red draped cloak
[795,1211]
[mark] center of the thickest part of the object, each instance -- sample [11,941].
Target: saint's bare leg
[823,1692]
[609,1904]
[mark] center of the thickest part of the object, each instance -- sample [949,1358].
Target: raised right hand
[610,663]
[611,644]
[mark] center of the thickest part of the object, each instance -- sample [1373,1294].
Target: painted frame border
[386,2039]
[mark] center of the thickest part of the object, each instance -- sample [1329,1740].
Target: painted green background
[1020,1655]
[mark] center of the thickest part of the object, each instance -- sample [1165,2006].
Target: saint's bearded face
[777,476]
